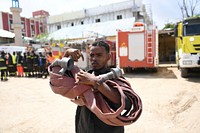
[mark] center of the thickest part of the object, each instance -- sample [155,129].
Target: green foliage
[44,37]
[169,26]
[41,36]
[197,15]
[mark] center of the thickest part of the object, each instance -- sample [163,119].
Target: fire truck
[187,33]
[57,50]
[137,47]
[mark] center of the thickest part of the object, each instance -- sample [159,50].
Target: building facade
[31,26]
[42,17]
[116,11]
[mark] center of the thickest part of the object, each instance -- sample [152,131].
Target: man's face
[98,57]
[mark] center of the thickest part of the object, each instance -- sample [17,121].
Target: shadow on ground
[161,72]
[194,76]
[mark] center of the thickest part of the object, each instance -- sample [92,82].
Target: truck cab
[187,33]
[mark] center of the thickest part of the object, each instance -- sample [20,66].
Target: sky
[163,11]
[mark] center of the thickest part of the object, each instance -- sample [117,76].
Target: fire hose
[67,64]
[62,81]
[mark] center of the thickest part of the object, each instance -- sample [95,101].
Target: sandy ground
[170,105]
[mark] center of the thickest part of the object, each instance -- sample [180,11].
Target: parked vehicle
[187,33]
[11,49]
[137,47]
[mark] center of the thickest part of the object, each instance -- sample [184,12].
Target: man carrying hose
[100,106]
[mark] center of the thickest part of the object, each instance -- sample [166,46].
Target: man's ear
[109,56]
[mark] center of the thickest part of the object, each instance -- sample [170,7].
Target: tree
[169,26]
[44,37]
[189,8]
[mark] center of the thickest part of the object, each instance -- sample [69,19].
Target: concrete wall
[1,21]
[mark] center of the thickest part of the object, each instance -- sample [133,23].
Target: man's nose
[93,58]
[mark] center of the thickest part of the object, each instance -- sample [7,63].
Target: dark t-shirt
[88,122]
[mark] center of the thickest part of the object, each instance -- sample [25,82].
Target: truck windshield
[191,29]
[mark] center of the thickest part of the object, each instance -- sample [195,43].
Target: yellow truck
[187,33]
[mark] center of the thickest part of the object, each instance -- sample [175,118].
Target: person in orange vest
[50,58]
[20,70]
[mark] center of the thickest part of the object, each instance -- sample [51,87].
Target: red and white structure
[31,27]
[137,47]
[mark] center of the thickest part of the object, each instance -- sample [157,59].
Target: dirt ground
[170,104]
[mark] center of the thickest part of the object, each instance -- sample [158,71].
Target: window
[191,29]
[41,29]
[23,26]
[11,22]
[97,20]
[58,27]
[32,28]
[119,17]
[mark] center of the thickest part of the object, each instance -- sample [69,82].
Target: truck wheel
[184,72]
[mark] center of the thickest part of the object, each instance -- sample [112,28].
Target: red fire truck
[137,47]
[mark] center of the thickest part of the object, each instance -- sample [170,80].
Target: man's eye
[99,55]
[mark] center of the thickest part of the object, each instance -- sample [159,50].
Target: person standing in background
[6,56]
[11,69]
[29,60]
[3,67]
[14,56]
[20,70]
[25,66]
[35,64]
[42,66]
[50,58]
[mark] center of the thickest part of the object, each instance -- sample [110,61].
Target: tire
[184,72]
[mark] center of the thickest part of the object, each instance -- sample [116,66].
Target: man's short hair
[102,44]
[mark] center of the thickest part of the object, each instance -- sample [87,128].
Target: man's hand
[86,78]
[73,53]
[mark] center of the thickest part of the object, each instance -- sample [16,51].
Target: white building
[131,9]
